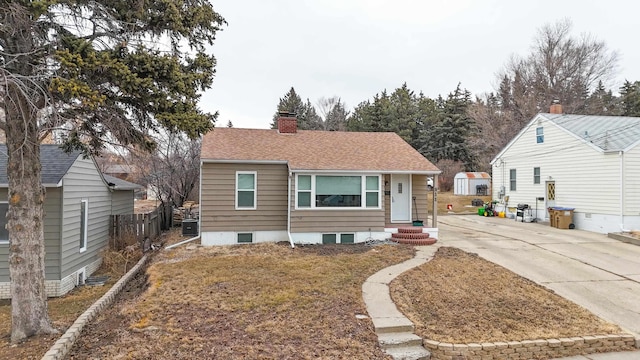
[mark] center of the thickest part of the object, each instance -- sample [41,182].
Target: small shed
[472,183]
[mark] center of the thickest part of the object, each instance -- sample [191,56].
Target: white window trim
[4,242]
[255,190]
[86,224]
[363,192]
[540,136]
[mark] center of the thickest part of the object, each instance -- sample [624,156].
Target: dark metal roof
[119,184]
[55,163]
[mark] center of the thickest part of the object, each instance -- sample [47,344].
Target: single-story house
[472,183]
[78,206]
[588,163]
[303,186]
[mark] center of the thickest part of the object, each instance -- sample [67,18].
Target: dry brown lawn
[461,203]
[66,309]
[266,301]
[461,298]
[261,301]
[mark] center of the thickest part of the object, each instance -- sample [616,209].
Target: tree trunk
[25,220]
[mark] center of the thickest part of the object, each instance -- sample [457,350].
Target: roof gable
[55,163]
[316,150]
[603,133]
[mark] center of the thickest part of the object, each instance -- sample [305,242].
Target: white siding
[632,182]
[585,178]
[83,181]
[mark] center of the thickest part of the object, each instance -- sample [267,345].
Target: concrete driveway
[590,269]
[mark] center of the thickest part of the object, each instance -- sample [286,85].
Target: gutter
[289,210]
[621,155]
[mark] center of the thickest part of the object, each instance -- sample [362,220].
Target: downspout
[434,218]
[289,210]
[621,155]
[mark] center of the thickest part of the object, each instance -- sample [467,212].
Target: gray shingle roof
[120,184]
[55,163]
[610,133]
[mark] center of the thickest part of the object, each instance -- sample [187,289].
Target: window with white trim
[338,191]
[4,233]
[536,175]
[84,223]
[246,190]
[512,180]
[539,135]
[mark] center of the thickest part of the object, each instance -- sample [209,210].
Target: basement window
[245,238]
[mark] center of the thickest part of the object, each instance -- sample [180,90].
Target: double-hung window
[536,175]
[512,179]
[338,191]
[246,190]
[539,135]
[4,233]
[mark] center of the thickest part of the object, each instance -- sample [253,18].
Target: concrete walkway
[395,331]
[598,273]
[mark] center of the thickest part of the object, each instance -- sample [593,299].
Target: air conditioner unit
[189,227]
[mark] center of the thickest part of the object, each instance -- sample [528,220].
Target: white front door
[551,196]
[400,198]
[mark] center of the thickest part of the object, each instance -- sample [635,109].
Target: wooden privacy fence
[139,227]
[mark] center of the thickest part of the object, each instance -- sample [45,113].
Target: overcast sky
[357,48]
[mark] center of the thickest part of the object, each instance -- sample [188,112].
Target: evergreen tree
[601,102]
[306,114]
[448,137]
[99,72]
[630,98]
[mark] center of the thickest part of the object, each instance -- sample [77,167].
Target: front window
[536,175]
[512,179]
[539,135]
[338,191]
[84,221]
[246,190]
[4,233]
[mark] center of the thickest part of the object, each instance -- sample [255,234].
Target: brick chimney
[287,123]
[556,108]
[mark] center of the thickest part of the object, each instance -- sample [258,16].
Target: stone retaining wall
[61,348]
[531,349]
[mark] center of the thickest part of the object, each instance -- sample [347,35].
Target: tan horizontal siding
[337,220]
[217,200]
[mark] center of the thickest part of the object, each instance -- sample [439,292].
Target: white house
[589,163]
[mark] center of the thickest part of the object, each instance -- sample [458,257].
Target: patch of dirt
[458,297]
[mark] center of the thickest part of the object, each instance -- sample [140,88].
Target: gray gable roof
[55,163]
[609,133]
[119,184]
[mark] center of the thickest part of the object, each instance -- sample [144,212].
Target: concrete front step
[399,339]
[409,353]
[386,325]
